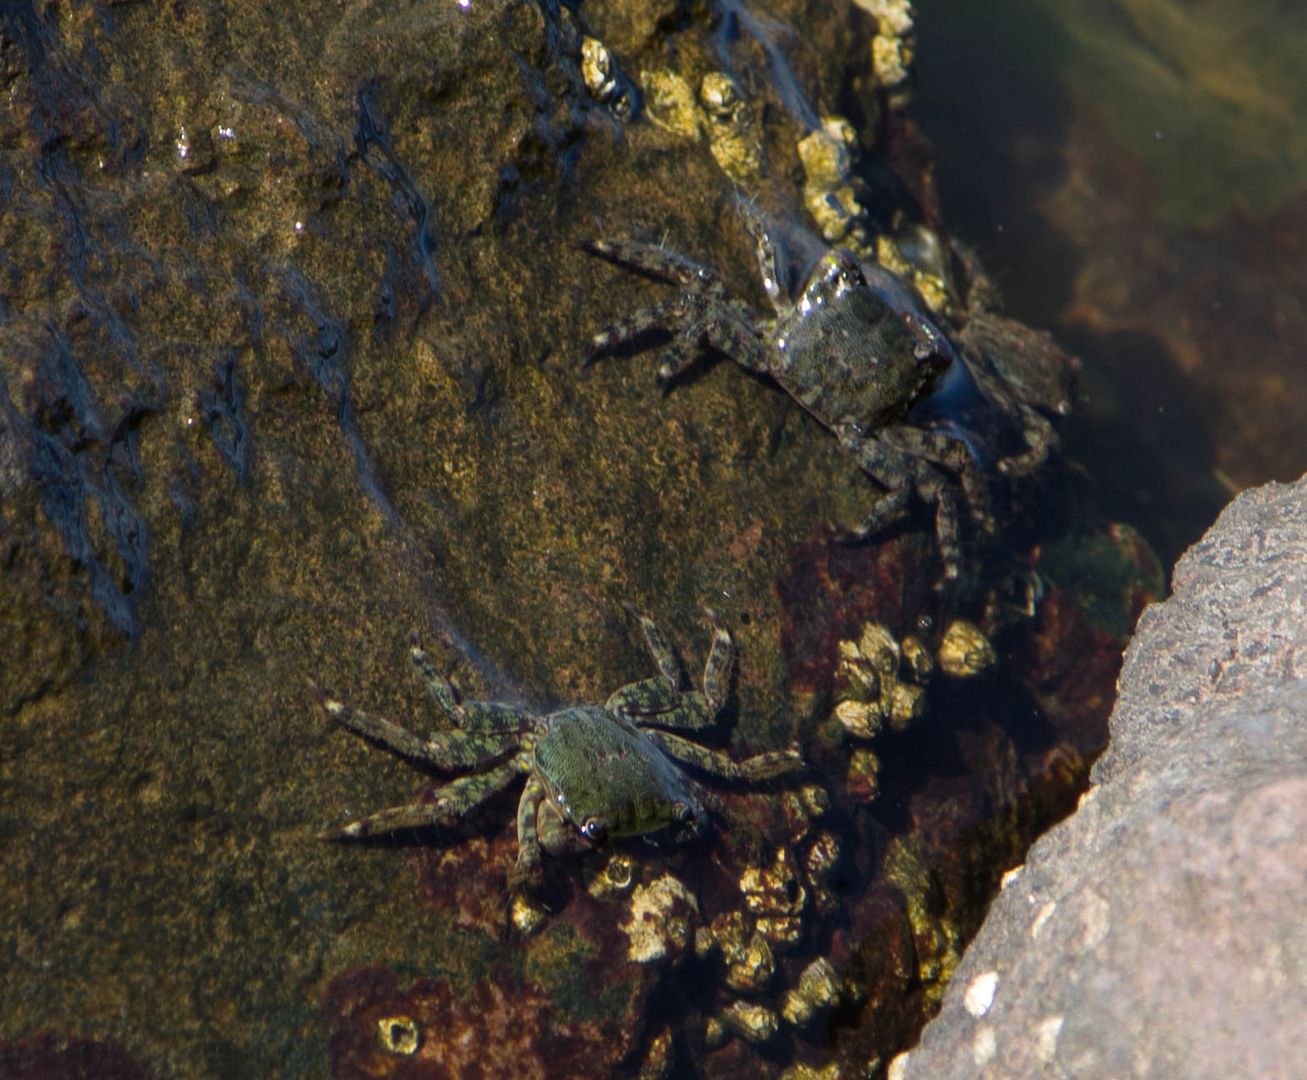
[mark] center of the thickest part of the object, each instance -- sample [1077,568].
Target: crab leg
[631,328]
[657,262]
[951,454]
[680,355]
[766,252]
[1040,436]
[946,532]
[484,717]
[717,669]
[669,667]
[689,312]
[759,767]
[452,801]
[894,470]
[737,338]
[661,701]
[528,842]
[709,800]
[885,511]
[652,701]
[447,750]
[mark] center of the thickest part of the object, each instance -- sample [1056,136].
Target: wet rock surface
[1159,931]
[292,309]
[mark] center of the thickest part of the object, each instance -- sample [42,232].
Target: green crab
[593,772]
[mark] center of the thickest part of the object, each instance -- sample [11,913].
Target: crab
[594,773]
[858,351]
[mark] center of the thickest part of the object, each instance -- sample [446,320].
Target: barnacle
[818,987]
[732,127]
[776,897]
[660,920]
[745,952]
[875,694]
[750,1021]
[965,650]
[399,1035]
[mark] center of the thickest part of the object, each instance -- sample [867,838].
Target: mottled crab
[594,773]
[861,353]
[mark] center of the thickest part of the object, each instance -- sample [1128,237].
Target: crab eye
[594,829]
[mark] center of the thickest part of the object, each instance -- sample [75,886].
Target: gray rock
[1160,930]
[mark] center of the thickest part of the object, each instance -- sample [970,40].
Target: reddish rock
[59,1057]
[503,1026]
[831,589]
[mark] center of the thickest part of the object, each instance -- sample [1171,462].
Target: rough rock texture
[1159,931]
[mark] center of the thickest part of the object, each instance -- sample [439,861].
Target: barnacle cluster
[744,952]
[894,42]
[830,189]
[778,901]
[660,921]
[884,681]
[775,896]
[718,112]
[607,82]
[731,124]
[832,193]
[937,937]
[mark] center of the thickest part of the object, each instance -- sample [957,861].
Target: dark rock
[1159,930]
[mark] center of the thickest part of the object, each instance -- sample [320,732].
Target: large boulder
[1159,930]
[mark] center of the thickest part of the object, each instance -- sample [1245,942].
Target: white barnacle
[1041,917]
[979,994]
[657,923]
[1046,1034]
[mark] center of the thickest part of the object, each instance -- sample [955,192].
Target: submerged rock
[292,311]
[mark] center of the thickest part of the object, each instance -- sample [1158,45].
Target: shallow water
[292,316]
[1135,175]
